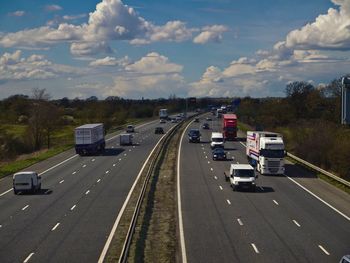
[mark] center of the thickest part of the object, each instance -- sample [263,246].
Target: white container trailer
[265,150]
[125,139]
[163,114]
[89,138]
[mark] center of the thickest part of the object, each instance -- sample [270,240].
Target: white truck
[26,182]
[163,114]
[241,176]
[265,150]
[125,139]
[217,140]
[89,138]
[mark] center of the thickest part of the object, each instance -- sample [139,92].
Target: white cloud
[329,31]
[90,48]
[73,17]
[153,63]
[18,13]
[110,61]
[111,21]
[53,8]
[15,67]
[210,34]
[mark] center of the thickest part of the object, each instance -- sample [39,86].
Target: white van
[217,140]
[26,182]
[125,139]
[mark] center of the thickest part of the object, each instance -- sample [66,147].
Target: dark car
[159,130]
[196,120]
[219,154]
[208,119]
[194,135]
[205,126]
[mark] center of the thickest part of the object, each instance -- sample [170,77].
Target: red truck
[229,126]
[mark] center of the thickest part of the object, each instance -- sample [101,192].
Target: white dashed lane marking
[73,207]
[87,192]
[24,208]
[99,180]
[54,228]
[84,165]
[240,222]
[228,201]
[215,177]
[74,172]
[275,202]
[295,222]
[220,187]
[28,258]
[324,250]
[61,181]
[255,248]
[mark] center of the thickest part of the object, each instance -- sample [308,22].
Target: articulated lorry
[229,126]
[163,114]
[265,150]
[89,139]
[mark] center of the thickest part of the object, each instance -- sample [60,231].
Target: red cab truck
[229,126]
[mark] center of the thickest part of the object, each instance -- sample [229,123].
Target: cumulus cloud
[110,61]
[73,17]
[329,31]
[111,21]
[15,67]
[18,13]
[90,48]
[53,8]
[210,34]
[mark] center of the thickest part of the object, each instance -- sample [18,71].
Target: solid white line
[24,208]
[215,177]
[74,172]
[324,250]
[295,222]
[87,192]
[220,187]
[319,198]
[54,228]
[9,190]
[228,201]
[72,208]
[275,202]
[99,180]
[240,222]
[179,205]
[61,181]
[121,211]
[27,258]
[255,248]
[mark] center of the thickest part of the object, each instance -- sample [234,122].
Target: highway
[280,222]
[71,218]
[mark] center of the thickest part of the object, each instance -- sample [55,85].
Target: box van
[26,182]
[241,176]
[125,139]
[217,140]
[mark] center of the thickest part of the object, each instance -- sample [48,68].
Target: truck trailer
[89,139]
[163,114]
[229,126]
[265,150]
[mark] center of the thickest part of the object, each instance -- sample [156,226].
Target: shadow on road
[266,189]
[112,152]
[42,191]
[298,171]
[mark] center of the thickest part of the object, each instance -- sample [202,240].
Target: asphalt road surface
[71,218]
[280,222]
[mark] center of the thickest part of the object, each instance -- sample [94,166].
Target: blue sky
[153,49]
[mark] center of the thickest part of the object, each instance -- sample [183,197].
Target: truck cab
[26,182]
[241,176]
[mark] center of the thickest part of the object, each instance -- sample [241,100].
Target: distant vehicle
[265,150]
[208,119]
[219,154]
[26,182]
[130,128]
[213,110]
[196,119]
[205,126]
[219,113]
[217,140]
[345,259]
[173,120]
[163,114]
[223,109]
[194,135]
[241,176]
[178,119]
[229,126]
[89,138]
[159,130]
[162,121]
[125,139]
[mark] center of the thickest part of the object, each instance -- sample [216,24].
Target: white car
[26,182]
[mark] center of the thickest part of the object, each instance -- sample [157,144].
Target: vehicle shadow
[230,149]
[298,171]
[112,152]
[42,191]
[265,189]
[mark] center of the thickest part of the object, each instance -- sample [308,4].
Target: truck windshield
[244,173]
[272,153]
[217,139]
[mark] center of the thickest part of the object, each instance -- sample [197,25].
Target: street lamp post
[345,111]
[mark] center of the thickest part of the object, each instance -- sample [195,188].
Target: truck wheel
[15,191]
[233,187]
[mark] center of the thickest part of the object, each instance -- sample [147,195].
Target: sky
[154,49]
